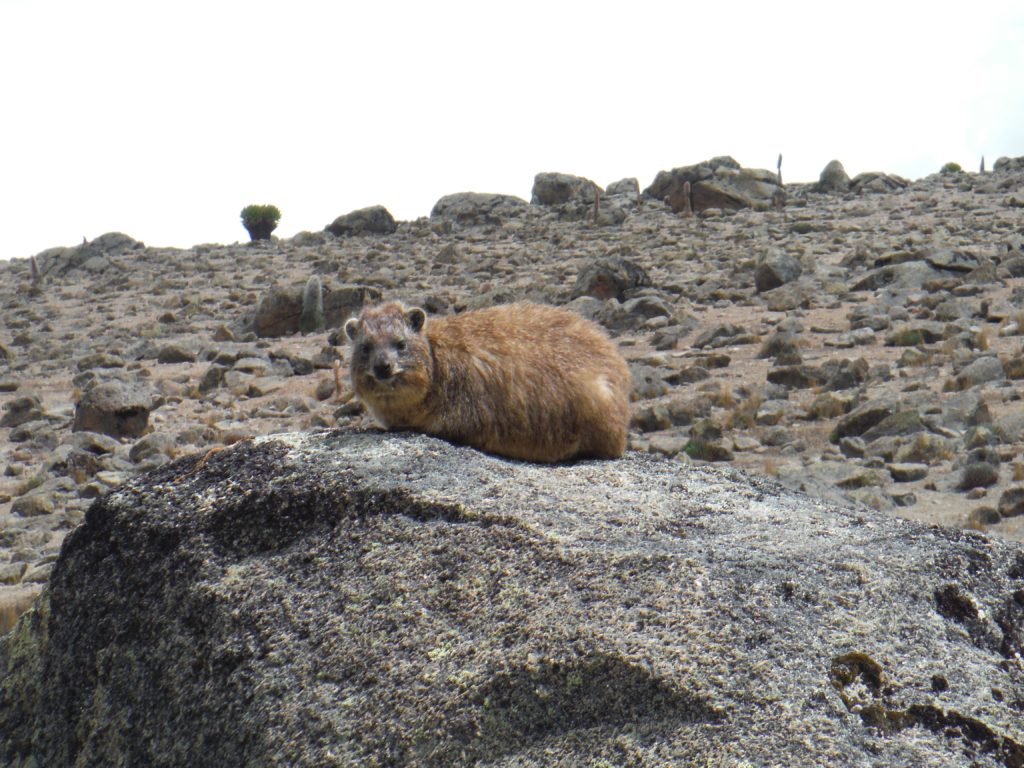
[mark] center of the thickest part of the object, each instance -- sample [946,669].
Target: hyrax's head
[390,354]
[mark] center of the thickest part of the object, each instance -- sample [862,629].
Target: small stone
[667,445]
[745,443]
[981,371]
[21,410]
[153,444]
[652,418]
[852,447]
[38,574]
[325,389]
[908,473]
[982,516]
[903,498]
[100,360]
[1011,502]
[11,573]
[173,353]
[111,479]
[862,477]
[33,505]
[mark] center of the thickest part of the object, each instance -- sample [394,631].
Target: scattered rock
[176,352]
[873,181]
[560,188]
[1011,502]
[979,517]
[833,179]
[90,257]
[33,505]
[476,208]
[609,278]
[375,220]
[908,473]
[280,311]
[114,408]
[100,360]
[153,444]
[21,410]
[981,371]
[775,269]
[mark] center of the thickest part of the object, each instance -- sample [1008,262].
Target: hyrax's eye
[400,345]
[365,348]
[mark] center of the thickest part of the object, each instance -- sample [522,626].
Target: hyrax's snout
[383,364]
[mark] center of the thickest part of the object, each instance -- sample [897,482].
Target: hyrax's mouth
[382,382]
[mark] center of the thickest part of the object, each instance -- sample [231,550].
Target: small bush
[905,337]
[260,220]
[951,168]
[744,415]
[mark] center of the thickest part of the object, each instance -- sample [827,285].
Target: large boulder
[561,188]
[474,208]
[280,310]
[833,178]
[717,183]
[375,220]
[369,599]
[91,256]
[1008,165]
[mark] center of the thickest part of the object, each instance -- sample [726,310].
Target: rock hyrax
[523,380]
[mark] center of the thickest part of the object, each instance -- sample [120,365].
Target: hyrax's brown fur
[521,380]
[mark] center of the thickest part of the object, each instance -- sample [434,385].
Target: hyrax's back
[521,380]
[541,383]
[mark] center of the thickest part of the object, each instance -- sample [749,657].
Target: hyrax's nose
[382,370]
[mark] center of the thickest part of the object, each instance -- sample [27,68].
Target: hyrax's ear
[415,317]
[352,328]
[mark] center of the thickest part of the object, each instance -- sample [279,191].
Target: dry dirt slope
[883,367]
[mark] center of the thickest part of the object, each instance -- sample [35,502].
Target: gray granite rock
[366,599]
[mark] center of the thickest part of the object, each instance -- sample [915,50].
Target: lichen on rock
[342,598]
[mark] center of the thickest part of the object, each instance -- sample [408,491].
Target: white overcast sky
[162,120]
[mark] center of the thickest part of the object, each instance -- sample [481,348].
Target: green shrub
[260,220]
[951,168]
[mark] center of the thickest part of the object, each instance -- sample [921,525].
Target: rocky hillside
[860,339]
[331,598]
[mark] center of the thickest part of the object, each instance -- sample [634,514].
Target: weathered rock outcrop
[368,599]
[717,183]
[92,256]
[280,310]
[473,208]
